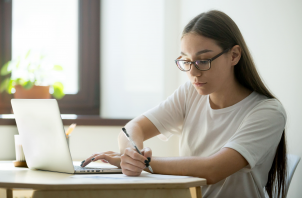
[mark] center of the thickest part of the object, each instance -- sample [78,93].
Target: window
[140,40]
[83,99]
[53,34]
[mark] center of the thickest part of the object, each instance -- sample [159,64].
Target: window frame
[5,47]
[87,100]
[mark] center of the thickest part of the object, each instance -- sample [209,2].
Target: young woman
[231,127]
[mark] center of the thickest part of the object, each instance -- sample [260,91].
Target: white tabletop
[12,177]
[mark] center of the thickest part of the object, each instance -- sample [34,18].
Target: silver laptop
[43,137]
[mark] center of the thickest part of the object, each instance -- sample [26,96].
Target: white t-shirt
[253,127]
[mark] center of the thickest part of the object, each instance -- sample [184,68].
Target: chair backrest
[292,163]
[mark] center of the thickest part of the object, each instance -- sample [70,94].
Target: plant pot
[36,92]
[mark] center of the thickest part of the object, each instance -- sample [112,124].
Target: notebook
[43,137]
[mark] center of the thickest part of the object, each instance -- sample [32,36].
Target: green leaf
[28,66]
[4,70]
[57,68]
[28,85]
[58,85]
[27,54]
[58,90]
[18,64]
[4,85]
[20,81]
[10,86]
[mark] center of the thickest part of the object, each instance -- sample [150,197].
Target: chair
[292,163]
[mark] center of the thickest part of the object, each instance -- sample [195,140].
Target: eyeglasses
[202,65]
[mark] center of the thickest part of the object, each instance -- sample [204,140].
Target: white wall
[272,30]
[139,42]
[171,45]
[132,45]
[7,142]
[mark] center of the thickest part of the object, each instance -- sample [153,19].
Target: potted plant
[32,77]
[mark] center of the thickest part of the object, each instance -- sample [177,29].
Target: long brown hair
[221,28]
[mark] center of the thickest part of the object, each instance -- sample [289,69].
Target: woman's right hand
[133,163]
[113,158]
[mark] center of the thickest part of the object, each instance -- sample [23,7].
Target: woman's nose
[194,71]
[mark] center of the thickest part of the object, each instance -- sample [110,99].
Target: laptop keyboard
[79,169]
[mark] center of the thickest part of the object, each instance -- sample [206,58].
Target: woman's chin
[202,91]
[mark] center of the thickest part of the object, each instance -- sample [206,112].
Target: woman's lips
[199,84]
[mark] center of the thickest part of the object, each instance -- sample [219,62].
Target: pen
[128,137]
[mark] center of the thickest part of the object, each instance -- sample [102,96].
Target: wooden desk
[52,184]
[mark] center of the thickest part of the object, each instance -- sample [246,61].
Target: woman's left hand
[111,157]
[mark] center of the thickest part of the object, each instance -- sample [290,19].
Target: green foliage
[28,85]
[29,70]
[4,84]
[58,68]
[5,70]
[58,90]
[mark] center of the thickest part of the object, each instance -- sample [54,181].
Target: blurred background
[118,59]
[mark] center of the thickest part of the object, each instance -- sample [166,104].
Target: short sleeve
[260,131]
[168,116]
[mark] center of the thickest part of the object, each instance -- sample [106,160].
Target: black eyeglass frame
[195,62]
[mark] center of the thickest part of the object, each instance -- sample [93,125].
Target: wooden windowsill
[80,120]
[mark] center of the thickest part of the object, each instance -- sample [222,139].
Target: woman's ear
[235,54]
